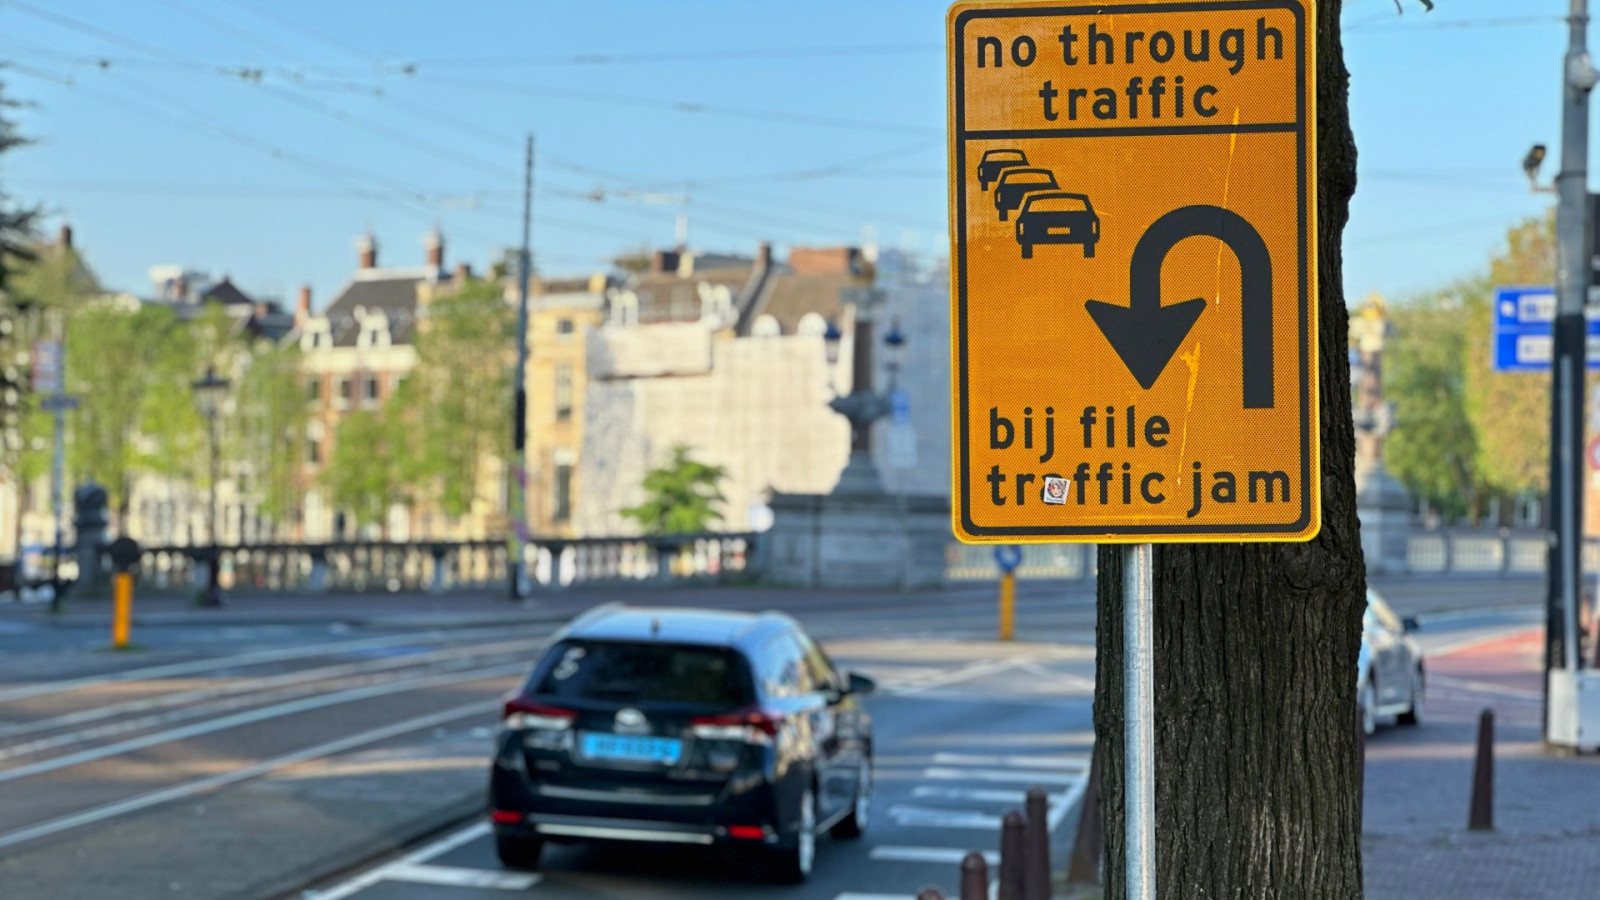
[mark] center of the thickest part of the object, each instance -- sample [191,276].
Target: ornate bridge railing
[453,565]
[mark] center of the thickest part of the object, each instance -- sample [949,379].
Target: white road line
[946,855]
[852,895]
[253,716]
[978,795]
[243,659]
[907,815]
[203,785]
[965,673]
[1074,763]
[1484,687]
[1004,775]
[456,876]
[423,854]
[258,685]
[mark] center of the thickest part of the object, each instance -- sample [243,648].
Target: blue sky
[799,122]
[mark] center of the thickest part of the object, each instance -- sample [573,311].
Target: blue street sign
[1522,335]
[900,407]
[1008,557]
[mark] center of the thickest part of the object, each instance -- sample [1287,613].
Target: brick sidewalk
[1546,845]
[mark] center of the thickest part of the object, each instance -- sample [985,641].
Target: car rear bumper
[680,814]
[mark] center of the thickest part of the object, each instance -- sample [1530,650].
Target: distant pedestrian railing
[453,565]
[968,562]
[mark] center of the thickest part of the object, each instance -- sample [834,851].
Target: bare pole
[1575,246]
[1138,719]
[519,406]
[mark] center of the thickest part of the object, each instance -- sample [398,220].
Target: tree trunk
[1256,647]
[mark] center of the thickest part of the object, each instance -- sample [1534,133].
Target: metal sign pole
[1138,719]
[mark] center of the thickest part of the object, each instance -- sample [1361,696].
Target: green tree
[459,394]
[1510,411]
[16,222]
[131,366]
[681,496]
[270,427]
[1433,449]
[366,472]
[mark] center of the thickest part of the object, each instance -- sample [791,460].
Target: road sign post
[1133,213]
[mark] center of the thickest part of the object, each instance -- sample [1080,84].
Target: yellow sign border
[1309,523]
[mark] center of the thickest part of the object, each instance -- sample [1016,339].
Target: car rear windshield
[1003,155]
[644,674]
[1057,204]
[1030,178]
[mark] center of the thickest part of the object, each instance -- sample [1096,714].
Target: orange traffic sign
[1133,225]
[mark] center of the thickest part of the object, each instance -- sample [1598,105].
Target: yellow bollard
[121,609]
[1008,605]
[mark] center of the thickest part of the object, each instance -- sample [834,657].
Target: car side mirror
[1410,624]
[860,684]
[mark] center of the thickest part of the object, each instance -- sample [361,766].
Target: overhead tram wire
[437,150]
[407,199]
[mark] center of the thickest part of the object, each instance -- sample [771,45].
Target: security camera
[1531,164]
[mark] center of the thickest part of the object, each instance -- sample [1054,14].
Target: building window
[562,493]
[314,442]
[313,389]
[343,397]
[563,391]
[564,329]
[369,391]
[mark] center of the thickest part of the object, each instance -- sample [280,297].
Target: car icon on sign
[1057,217]
[996,161]
[1014,183]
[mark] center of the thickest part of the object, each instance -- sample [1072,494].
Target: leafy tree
[16,222]
[458,396]
[1433,449]
[1510,411]
[270,426]
[366,472]
[681,496]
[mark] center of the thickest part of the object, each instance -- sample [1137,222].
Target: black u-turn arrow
[1146,334]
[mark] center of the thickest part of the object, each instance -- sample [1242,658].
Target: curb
[299,884]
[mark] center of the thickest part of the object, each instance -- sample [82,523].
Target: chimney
[367,248]
[433,243]
[825,260]
[463,272]
[764,255]
[302,306]
[64,238]
[664,261]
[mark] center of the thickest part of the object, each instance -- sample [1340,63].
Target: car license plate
[1067,231]
[624,748]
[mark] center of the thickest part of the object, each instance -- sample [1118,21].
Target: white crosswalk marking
[454,876]
[943,855]
[1037,762]
[1010,776]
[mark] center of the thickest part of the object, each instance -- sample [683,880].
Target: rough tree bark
[1256,646]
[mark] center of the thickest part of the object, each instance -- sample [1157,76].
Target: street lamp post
[863,406]
[208,392]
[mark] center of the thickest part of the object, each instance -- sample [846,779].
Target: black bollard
[1087,845]
[974,877]
[1036,855]
[1011,853]
[1482,815]
[930,894]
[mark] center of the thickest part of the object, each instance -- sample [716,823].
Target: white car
[1390,676]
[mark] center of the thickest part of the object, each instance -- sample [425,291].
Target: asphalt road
[962,731]
[239,760]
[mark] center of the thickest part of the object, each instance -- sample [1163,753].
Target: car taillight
[522,715]
[750,726]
